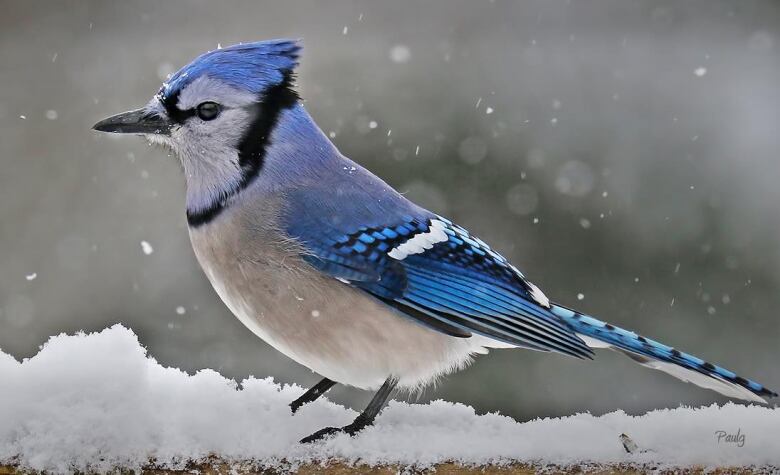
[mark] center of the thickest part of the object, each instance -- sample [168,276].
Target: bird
[334,268]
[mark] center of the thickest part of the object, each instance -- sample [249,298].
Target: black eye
[208,110]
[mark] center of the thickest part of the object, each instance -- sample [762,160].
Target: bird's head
[216,114]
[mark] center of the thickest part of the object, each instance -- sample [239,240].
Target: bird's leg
[312,394]
[365,419]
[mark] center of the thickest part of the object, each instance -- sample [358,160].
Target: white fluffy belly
[328,326]
[348,337]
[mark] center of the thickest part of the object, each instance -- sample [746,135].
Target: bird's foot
[312,394]
[321,434]
[350,429]
[297,404]
[363,420]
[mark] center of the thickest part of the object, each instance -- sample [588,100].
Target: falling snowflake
[400,54]
[146,248]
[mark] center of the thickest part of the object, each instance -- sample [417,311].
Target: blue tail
[598,334]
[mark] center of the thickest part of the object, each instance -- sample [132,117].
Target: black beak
[138,121]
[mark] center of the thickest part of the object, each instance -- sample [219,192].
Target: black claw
[321,434]
[350,429]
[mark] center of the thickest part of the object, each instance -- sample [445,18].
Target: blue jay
[333,267]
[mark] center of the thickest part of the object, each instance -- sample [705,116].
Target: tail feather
[652,354]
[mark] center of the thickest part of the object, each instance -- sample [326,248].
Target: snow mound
[98,402]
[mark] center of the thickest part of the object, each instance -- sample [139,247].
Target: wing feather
[436,273]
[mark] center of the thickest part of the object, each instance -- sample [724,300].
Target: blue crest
[248,66]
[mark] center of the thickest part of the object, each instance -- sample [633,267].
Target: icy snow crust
[98,402]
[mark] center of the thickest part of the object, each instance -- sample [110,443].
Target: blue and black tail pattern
[656,355]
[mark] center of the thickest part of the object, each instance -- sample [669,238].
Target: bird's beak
[139,121]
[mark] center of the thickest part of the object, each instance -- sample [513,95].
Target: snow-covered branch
[98,402]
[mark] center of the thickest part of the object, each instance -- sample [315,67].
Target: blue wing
[429,269]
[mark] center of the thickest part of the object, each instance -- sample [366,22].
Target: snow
[400,54]
[146,248]
[98,402]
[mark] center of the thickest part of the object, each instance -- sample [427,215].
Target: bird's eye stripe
[180,116]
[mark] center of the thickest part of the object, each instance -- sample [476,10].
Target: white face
[208,148]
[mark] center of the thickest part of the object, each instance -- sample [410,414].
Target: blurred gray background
[623,153]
